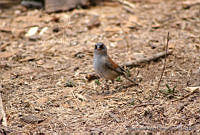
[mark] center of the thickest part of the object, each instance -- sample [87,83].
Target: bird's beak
[98,48]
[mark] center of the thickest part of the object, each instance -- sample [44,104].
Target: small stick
[145,60]
[164,66]
[5,30]
[3,120]
[192,92]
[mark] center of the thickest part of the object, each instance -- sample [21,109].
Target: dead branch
[164,66]
[193,90]
[3,120]
[148,59]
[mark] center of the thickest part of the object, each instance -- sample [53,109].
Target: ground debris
[50,78]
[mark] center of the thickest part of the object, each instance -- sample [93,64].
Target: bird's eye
[101,46]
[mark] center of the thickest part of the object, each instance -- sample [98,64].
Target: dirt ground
[43,77]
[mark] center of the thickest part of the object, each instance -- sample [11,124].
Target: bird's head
[100,49]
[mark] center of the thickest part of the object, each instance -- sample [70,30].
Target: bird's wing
[113,66]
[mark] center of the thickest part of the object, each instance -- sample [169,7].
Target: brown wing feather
[113,63]
[113,66]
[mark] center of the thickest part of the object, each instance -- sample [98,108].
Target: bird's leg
[113,81]
[106,85]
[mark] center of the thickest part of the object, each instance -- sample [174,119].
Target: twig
[148,59]
[2,47]
[164,66]
[3,120]
[192,92]
[5,30]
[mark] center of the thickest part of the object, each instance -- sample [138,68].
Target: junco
[104,66]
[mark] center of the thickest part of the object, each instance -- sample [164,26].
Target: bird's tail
[124,74]
[134,83]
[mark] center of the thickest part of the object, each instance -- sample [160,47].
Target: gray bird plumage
[104,66]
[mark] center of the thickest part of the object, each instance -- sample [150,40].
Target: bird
[105,67]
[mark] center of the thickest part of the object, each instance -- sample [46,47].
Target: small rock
[32,31]
[74,42]
[43,31]
[32,119]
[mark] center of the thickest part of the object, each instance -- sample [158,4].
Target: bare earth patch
[42,77]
